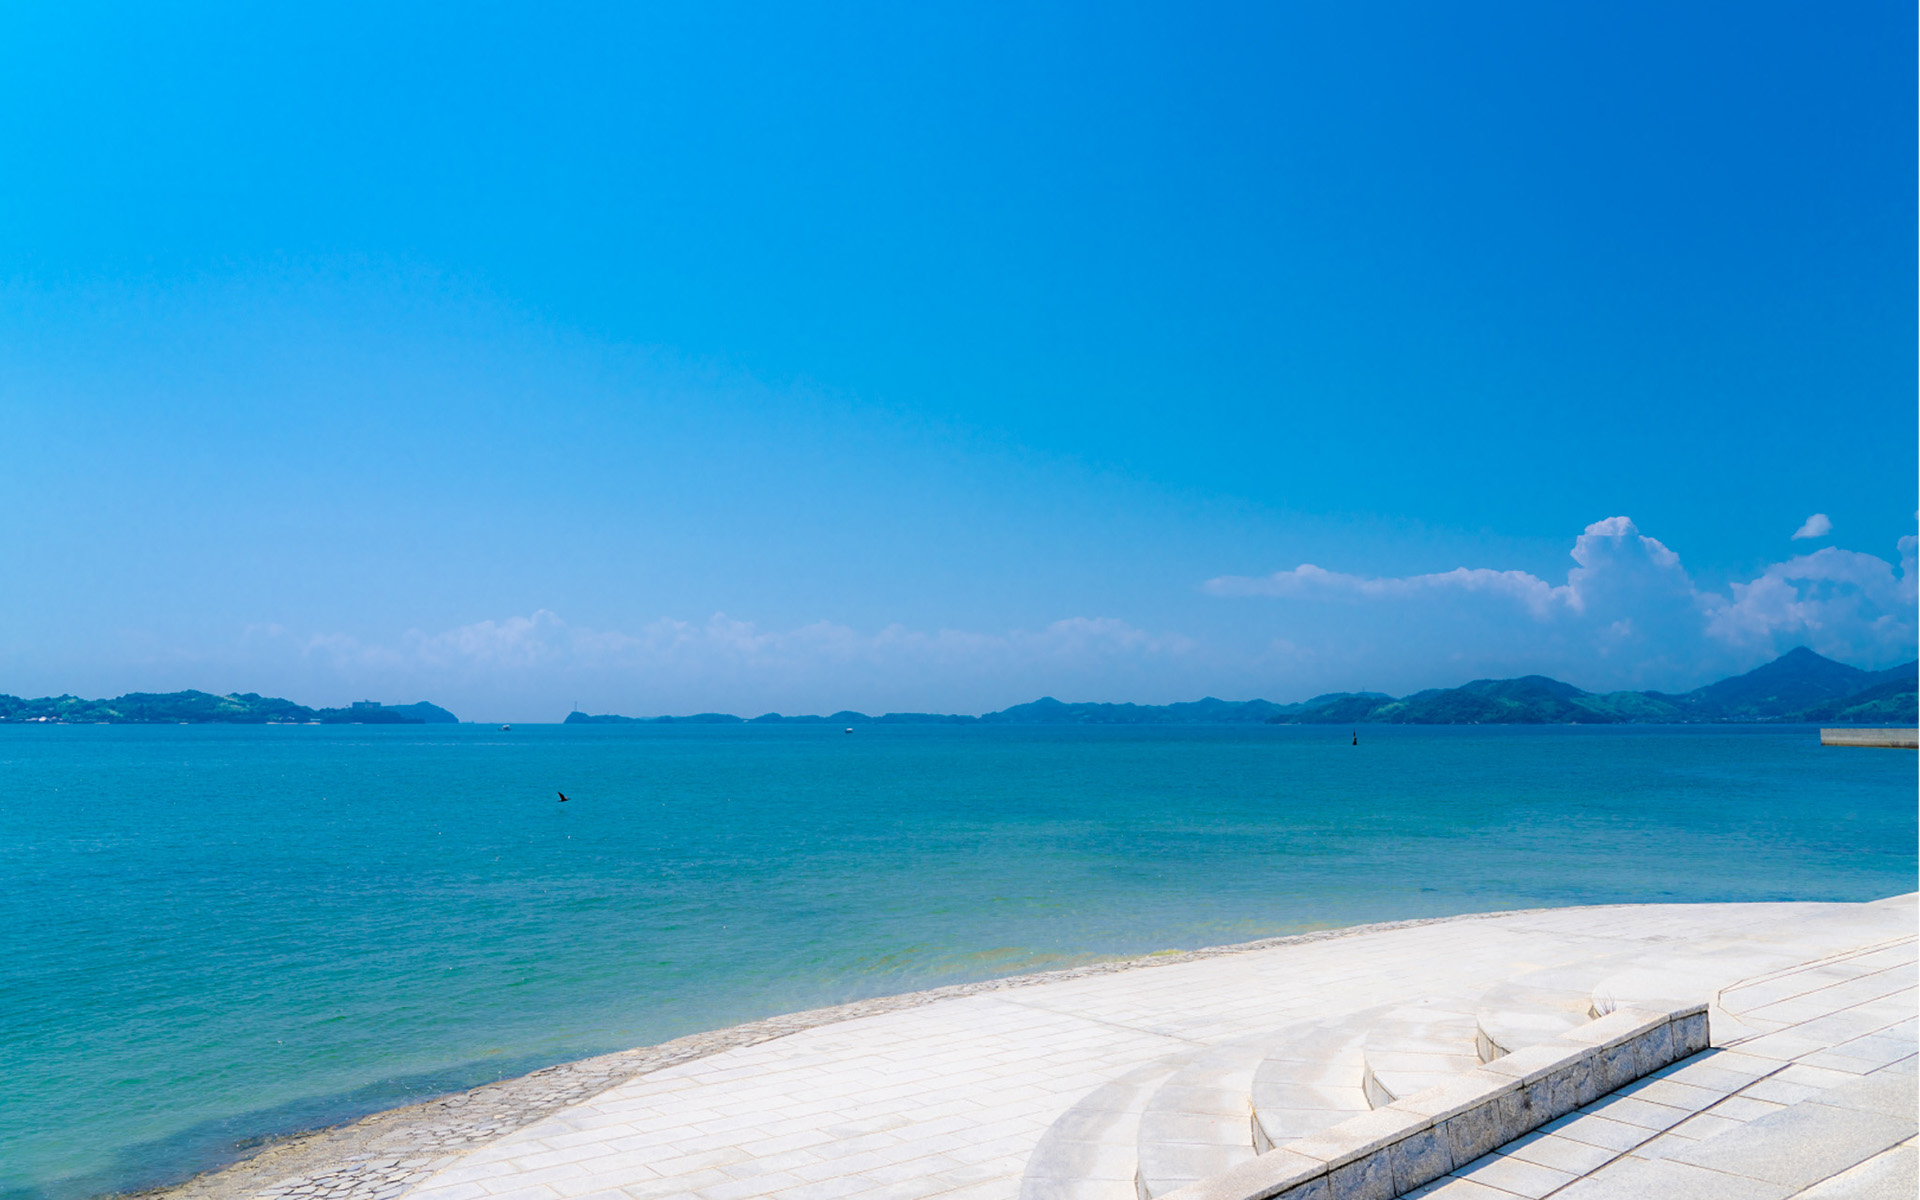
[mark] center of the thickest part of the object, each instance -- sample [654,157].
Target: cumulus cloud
[1816,526]
[1308,580]
[1628,613]
[1612,558]
[1840,602]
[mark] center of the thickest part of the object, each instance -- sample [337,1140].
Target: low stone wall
[1888,739]
[1413,1141]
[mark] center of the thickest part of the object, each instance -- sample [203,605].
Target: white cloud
[1842,603]
[1609,552]
[1307,580]
[1628,613]
[1816,526]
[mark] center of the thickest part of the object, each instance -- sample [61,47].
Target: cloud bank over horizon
[731,665]
[1628,615]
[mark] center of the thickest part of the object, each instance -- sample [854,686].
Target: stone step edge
[1378,1094]
[1413,1141]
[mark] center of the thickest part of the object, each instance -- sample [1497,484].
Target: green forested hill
[1798,686]
[200,708]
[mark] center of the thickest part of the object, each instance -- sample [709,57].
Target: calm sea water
[209,935]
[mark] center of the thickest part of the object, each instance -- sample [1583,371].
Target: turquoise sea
[214,934]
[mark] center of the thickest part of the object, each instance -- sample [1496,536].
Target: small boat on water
[506,729]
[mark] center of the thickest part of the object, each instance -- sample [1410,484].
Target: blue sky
[671,357]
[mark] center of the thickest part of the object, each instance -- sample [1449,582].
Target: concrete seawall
[1886,739]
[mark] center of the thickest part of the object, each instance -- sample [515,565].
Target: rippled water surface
[209,935]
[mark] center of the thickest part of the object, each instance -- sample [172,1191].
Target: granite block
[1572,1086]
[1276,1173]
[1799,1146]
[1893,1175]
[1418,1158]
[1523,1110]
[1457,1095]
[1516,1176]
[1596,1130]
[1620,1025]
[1358,1136]
[1615,1066]
[1531,1064]
[1674,1093]
[1317,1188]
[1472,1133]
[1883,1092]
[1653,1050]
[1644,1113]
[1690,1032]
[1663,1180]
[1369,1177]
[1560,1153]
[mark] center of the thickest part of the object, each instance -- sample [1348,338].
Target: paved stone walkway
[1813,1094]
[951,1098]
[387,1153]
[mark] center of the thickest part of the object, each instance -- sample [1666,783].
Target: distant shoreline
[205,708]
[1799,687]
[881,723]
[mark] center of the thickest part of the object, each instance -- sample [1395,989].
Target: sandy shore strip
[382,1155]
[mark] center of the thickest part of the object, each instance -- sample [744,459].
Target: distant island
[1799,686]
[204,708]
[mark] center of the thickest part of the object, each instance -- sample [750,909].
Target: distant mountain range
[1799,686]
[203,708]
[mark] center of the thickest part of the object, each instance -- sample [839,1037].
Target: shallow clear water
[213,934]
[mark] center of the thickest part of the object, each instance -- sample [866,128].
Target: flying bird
[562,795]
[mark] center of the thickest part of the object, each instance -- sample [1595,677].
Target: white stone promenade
[1126,1085]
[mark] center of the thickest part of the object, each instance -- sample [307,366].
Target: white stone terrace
[1127,1085]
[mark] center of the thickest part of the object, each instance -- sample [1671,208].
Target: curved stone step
[1091,1152]
[1413,1047]
[1693,974]
[1763,974]
[1537,1007]
[1452,1128]
[1199,1121]
[1695,971]
[1311,1081]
